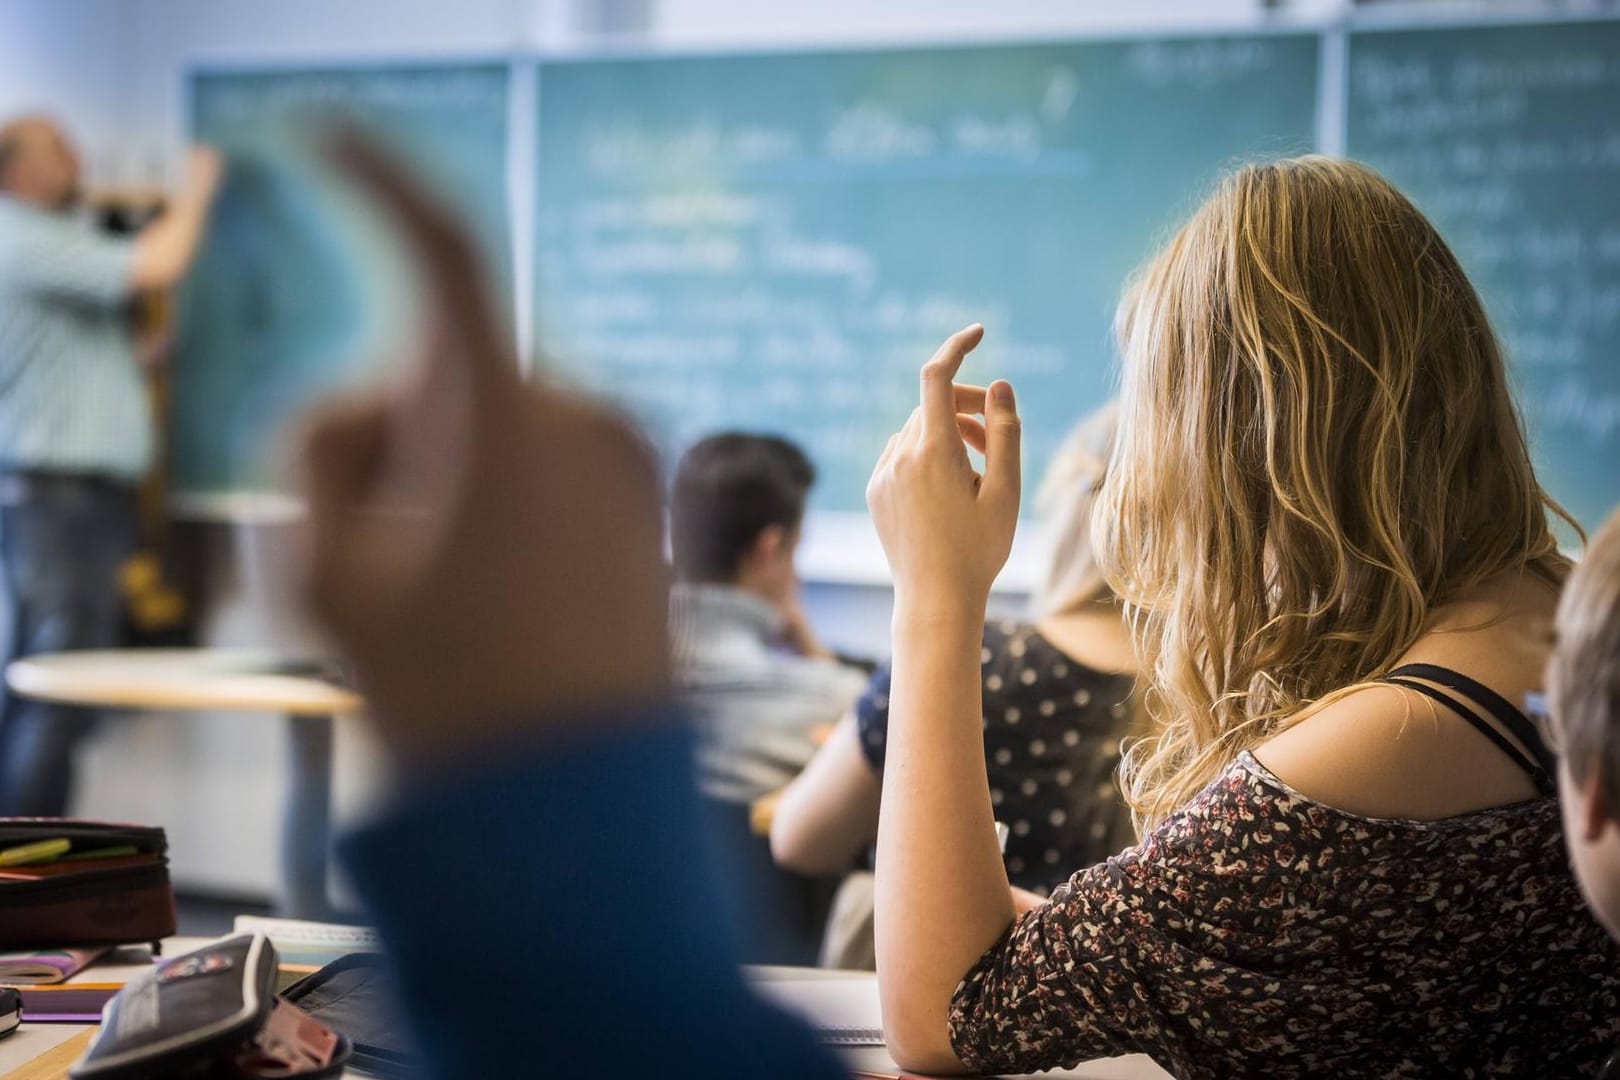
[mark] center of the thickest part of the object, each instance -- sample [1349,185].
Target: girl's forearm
[942,892]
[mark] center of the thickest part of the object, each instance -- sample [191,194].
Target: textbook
[40,967]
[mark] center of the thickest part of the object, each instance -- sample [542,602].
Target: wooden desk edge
[54,1063]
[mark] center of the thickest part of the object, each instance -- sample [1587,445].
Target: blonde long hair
[1317,446]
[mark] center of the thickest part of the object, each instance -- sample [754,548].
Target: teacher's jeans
[63,537]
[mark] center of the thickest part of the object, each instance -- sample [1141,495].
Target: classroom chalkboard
[1509,138]
[777,242]
[297,290]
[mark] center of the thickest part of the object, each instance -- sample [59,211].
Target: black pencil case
[355,995]
[127,900]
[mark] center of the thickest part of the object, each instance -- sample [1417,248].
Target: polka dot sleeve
[872,717]
[872,710]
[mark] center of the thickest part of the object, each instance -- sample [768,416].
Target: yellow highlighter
[37,852]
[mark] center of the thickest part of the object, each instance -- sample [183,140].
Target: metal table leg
[307,819]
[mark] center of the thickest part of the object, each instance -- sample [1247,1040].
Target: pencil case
[355,995]
[126,900]
[211,1014]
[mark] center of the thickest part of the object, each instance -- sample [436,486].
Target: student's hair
[728,489]
[1065,500]
[1317,446]
[1583,673]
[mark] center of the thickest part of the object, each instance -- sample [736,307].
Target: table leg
[307,819]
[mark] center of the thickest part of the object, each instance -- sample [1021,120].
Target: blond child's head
[1583,697]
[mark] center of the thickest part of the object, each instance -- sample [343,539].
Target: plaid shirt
[70,393]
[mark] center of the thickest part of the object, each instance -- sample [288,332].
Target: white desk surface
[225,679]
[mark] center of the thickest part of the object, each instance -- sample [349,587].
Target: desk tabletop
[225,679]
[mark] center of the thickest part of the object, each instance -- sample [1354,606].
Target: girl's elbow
[787,848]
[921,1044]
[800,848]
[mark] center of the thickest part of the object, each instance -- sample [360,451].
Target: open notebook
[843,1011]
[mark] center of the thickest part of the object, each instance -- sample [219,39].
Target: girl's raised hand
[947,530]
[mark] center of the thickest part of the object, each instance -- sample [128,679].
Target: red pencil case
[127,900]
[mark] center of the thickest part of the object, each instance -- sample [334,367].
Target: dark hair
[728,489]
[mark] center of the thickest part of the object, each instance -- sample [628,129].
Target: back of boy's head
[1583,675]
[728,489]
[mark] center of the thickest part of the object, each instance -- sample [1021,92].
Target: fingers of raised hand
[888,452]
[969,398]
[453,276]
[972,431]
[939,374]
[1003,442]
[341,449]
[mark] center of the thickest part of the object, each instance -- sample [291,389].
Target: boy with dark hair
[747,663]
[738,501]
[744,652]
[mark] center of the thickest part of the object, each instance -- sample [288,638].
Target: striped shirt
[71,398]
[757,707]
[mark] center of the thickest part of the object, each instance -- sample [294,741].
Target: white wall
[67,58]
[734,23]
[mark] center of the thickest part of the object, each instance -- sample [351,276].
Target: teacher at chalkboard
[75,428]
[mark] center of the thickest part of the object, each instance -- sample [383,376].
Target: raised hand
[946,529]
[205,169]
[486,550]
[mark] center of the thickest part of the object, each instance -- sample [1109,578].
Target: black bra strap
[1534,758]
[1505,712]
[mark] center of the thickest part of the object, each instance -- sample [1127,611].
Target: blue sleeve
[555,915]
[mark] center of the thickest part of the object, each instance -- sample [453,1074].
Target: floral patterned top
[1257,932]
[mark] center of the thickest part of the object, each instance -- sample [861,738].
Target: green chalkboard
[778,241]
[297,290]
[1509,138]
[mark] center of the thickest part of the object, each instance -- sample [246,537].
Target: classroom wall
[66,59]
[112,69]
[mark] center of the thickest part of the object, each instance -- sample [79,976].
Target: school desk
[170,680]
[44,1051]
